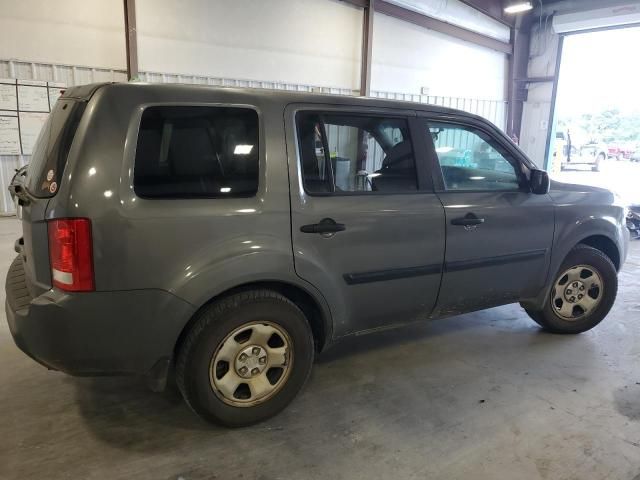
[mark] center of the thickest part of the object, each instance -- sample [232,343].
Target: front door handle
[326,225]
[470,219]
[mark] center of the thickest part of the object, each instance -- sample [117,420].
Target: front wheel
[582,294]
[245,358]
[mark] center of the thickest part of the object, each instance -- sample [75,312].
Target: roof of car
[284,96]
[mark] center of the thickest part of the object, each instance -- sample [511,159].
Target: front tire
[583,291]
[245,358]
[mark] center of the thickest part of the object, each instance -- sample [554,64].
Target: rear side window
[197,152]
[51,150]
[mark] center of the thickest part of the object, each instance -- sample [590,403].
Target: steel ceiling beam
[431,23]
[443,27]
[491,8]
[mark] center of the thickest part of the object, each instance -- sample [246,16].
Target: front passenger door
[499,234]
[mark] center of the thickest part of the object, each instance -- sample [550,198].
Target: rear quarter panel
[195,249]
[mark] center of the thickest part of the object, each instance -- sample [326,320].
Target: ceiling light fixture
[243,149]
[518,7]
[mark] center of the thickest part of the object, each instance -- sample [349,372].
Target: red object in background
[620,151]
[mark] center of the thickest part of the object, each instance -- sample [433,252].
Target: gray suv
[232,234]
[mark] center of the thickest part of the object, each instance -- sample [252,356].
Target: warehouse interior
[486,394]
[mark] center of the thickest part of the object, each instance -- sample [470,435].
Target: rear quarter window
[197,152]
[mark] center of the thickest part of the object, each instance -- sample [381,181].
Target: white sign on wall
[8,97]
[33,98]
[9,134]
[30,125]
[24,108]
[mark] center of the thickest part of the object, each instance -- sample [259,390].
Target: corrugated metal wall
[69,74]
[156,77]
[492,110]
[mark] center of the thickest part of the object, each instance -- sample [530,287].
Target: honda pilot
[233,234]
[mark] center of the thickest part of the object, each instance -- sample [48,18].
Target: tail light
[71,254]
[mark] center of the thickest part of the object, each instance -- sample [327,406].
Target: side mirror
[539,182]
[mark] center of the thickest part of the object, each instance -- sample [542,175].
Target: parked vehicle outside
[621,151]
[233,234]
[593,154]
[590,154]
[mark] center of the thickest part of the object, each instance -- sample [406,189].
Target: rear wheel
[582,294]
[245,358]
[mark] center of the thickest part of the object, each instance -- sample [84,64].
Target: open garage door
[596,136]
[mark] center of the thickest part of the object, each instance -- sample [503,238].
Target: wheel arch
[315,309]
[605,245]
[597,234]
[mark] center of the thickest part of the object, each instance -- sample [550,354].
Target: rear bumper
[96,333]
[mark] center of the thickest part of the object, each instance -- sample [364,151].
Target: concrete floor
[483,396]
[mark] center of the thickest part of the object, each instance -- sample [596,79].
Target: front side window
[471,160]
[343,153]
[197,152]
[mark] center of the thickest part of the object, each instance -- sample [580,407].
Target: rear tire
[245,358]
[595,278]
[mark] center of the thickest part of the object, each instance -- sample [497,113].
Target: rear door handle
[470,219]
[326,225]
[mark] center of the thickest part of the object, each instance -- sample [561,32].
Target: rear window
[197,152]
[50,152]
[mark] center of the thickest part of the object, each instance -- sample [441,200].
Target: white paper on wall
[30,126]
[33,98]
[8,97]
[9,134]
[24,107]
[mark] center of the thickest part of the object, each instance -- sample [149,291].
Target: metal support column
[518,65]
[131,37]
[367,40]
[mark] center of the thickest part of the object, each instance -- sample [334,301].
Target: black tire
[548,319]
[212,328]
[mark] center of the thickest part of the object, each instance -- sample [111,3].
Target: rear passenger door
[367,229]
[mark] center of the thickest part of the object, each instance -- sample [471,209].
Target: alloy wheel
[251,364]
[577,292]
